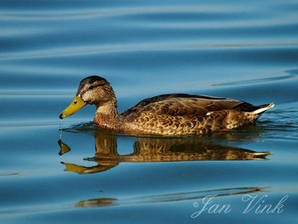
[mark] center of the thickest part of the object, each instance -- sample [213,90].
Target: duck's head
[92,90]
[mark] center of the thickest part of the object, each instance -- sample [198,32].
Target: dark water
[69,172]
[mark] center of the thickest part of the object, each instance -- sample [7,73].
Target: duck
[175,114]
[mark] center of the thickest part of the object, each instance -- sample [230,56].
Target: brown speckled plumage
[182,114]
[167,115]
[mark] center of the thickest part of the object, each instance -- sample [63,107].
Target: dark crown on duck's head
[91,82]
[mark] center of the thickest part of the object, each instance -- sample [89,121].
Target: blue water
[68,171]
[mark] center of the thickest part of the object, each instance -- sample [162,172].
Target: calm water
[70,172]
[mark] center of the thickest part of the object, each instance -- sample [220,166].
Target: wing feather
[184,105]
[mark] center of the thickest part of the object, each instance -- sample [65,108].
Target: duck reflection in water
[147,149]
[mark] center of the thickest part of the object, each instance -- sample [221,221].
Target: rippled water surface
[71,172]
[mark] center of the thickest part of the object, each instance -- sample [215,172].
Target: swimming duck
[166,115]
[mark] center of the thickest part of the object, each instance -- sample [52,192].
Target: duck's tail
[261,109]
[253,115]
[261,155]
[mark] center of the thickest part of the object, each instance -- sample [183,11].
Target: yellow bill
[75,168]
[75,105]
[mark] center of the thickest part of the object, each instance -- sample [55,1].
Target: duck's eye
[75,102]
[91,87]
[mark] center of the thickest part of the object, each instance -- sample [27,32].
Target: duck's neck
[107,115]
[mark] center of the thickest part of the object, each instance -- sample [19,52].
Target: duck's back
[181,114]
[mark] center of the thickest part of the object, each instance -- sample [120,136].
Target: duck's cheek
[87,98]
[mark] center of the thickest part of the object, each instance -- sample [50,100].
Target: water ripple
[150,47]
[237,49]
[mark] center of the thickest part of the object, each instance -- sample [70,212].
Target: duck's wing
[185,105]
